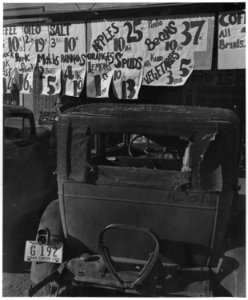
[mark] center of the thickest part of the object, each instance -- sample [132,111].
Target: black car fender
[50,221]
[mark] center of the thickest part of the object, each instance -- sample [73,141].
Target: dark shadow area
[15,235]
[20,223]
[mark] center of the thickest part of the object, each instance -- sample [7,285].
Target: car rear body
[184,198]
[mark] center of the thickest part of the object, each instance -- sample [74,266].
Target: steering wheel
[139,151]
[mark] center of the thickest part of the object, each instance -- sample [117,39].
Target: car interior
[138,151]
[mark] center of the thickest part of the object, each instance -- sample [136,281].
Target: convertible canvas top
[151,119]
[146,112]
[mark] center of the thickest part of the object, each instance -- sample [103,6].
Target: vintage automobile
[145,193]
[28,180]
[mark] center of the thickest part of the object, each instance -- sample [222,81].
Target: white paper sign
[51,48]
[115,53]
[12,46]
[73,81]
[159,52]
[231,40]
[51,81]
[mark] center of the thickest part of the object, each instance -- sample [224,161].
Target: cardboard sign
[231,40]
[149,52]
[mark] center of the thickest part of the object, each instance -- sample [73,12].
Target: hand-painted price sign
[127,53]
[67,50]
[26,80]
[51,83]
[175,47]
[12,45]
[98,84]
[52,47]
[7,84]
[12,38]
[7,77]
[231,43]
[160,52]
[73,81]
[113,51]
[127,87]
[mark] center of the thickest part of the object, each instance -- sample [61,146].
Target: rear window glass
[17,128]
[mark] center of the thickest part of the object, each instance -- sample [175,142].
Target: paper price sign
[98,84]
[13,39]
[114,50]
[52,48]
[7,84]
[51,81]
[67,51]
[12,44]
[127,86]
[171,46]
[231,43]
[127,53]
[73,81]
[162,52]
[26,82]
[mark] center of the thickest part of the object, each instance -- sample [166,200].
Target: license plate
[42,253]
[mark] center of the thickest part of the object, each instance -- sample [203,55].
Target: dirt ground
[15,285]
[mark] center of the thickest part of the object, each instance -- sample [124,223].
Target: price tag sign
[98,84]
[231,44]
[12,45]
[155,52]
[173,47]
[115,49]
[127,53]
[51,81]
[67,51]
[26,82]
[73,81]
[7,82]
[128,85]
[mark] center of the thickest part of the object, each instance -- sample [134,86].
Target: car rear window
[17,128]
